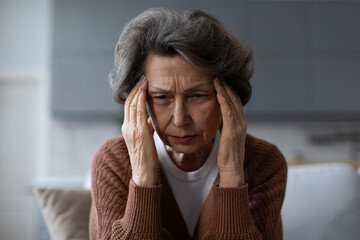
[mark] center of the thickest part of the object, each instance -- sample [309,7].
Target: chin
[191,147]
[185,148]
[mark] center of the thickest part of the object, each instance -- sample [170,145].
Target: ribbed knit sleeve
[232,215]
[142,218]
[252,211]
[120,209]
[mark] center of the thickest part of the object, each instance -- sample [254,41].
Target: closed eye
[198,95]
[162,97]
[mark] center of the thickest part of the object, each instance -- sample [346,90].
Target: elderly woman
[190,171]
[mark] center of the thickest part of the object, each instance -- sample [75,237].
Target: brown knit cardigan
[122,210]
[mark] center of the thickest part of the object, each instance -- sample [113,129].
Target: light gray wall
[25,35]
[24,70]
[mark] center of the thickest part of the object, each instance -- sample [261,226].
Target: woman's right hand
[138,134]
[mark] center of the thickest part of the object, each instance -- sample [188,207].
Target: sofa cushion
[66,212]
[322,202]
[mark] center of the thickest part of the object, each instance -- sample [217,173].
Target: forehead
[170,70]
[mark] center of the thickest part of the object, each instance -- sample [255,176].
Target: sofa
[322,202]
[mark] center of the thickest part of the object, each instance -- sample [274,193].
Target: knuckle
[133,107]
[139,112]
[142,116]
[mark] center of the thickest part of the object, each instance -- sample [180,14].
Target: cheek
[209,117]
[162,115]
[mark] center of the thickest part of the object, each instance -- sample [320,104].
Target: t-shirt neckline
[193,176]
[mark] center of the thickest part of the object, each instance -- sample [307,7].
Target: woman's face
[182,99]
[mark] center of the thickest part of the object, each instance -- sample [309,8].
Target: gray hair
[195,35]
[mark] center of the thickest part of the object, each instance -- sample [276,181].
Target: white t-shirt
[190,189]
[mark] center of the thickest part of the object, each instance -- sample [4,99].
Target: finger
[222,91]
[237,105]
[224,106]
[141,104]
[231,111]
[133,111]
[232,99]
[235,99]
[130,98]
[135,88]
[222,97]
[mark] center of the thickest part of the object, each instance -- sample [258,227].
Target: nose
[181,117]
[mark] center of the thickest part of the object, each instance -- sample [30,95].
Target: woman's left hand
[233,133]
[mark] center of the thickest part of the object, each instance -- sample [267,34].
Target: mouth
[183,139]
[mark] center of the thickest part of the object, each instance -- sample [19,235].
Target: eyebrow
[187,90]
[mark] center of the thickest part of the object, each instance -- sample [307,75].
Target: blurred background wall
[56,108]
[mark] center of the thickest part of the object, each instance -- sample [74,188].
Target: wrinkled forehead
[174,72]
[206,86]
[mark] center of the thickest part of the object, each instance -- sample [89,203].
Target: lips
[183,139]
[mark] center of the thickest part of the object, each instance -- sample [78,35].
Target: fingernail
[143,78]
[140,90]
[221,93]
